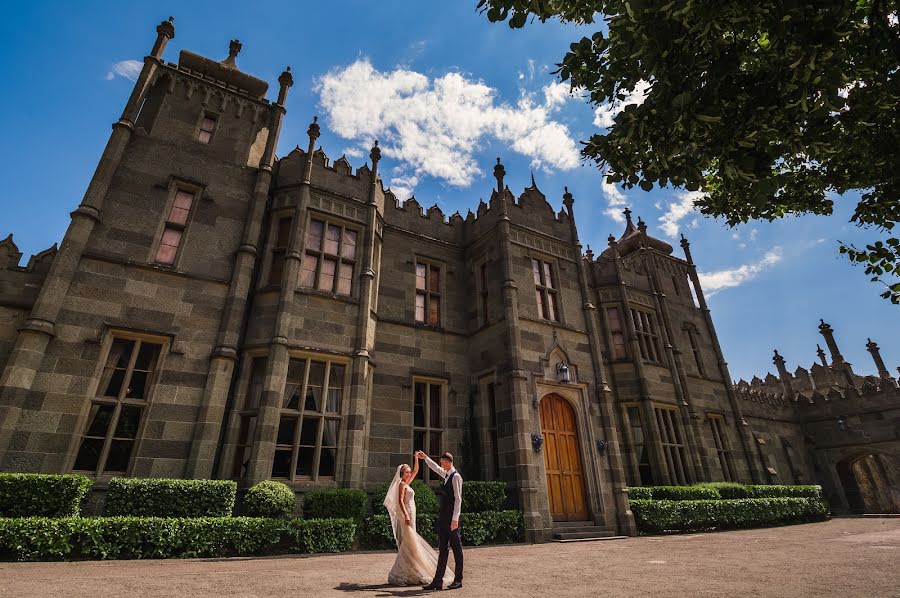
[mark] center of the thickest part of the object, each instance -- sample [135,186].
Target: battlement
[19,285]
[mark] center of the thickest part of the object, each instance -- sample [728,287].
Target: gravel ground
[842,557]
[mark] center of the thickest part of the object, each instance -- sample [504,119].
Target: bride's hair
[403,468]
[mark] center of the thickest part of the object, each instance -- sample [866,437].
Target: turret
[873,349]
[826,331]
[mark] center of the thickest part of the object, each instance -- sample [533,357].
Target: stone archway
[868,484]
[562,460]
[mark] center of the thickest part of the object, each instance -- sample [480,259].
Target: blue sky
[445,92]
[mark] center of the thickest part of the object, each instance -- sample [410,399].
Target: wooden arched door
[562,460]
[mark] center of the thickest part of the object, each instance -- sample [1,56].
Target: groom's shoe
[432,586]
[455,585]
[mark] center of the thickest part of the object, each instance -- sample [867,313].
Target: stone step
[584,533]
[561,524]
[570,529]
[600,539]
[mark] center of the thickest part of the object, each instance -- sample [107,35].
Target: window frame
[636,465]
[717,426]
[427,292]
[543,291]
[276,250]
[427,430]
[648,340]
[199,130]
[321,255]
[175,187]
[693,340]
[488,398]
[481,280]
[612,334]
[300,415]
[247,411]
[118,402]
[673,444]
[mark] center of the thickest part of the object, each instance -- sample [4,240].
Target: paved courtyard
[843,557]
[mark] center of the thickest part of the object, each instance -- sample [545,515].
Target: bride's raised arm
[415,470]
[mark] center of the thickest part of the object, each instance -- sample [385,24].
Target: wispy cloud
[715,282]
[676,211]
[605,114]
[432,126]
[128,69]
[616,201]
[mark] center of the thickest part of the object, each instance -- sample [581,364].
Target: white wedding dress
[416,560]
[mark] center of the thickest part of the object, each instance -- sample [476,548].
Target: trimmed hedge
[659,516]
[152,497]
[310,536]
[488,527]
[269,499]
[42,495]
[673,493]
[483,496]
[37,538]
[44,539]
[338,503]
[722,490]
[426,499]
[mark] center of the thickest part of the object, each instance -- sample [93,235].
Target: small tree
[766,106]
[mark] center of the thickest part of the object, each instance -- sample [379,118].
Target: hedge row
[151,497]
[486,527]
[659,516]
[339,502]
[478,497]
[42,495]
[722,490]
[269,499]
[40,538]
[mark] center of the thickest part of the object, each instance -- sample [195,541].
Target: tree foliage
[770,108]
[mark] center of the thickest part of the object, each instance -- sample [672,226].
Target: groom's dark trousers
[448,538]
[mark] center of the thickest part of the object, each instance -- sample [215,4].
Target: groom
[450,494]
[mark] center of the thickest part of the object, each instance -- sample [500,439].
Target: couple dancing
[416,561]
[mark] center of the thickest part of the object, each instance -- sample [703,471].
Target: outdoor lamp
[537,441]
[562,372]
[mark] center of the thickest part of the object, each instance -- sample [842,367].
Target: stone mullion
[279,357]
[743,429]
[220,378]
[698,457]
[358,408]
[652,437]
[32,340]
[624,516]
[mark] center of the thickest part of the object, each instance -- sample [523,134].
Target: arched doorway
[867,485]
[562,460]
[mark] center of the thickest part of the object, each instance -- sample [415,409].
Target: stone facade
[216,312]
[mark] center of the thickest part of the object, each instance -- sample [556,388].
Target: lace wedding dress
[416,560]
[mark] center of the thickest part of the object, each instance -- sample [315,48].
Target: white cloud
[714,282]
[433,126]
[129,69]
[605,114]
[615,200]
[678,210]
[556,94]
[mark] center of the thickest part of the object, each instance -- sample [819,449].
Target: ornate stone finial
[821,355]
[568,200]
[499,173]
[642,226]
[611,240]
[286,79]
[167,28]
[628,222]
[375,154]
[314,130]
[234,48]
[778,359]
[875,352]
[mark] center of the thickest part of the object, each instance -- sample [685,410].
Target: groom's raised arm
[435,467]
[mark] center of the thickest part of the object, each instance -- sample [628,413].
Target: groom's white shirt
[457,484]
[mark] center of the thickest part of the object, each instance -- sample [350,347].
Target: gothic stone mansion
[216,312]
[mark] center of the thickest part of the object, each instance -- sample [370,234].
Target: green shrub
[269,499]
[38,538]
[673,493]
[784,491]
[426,499]
[339,503]
[311,536]
[151,497]
[727,490]
[42,495]
[488,527]
[658,516]
[483,496]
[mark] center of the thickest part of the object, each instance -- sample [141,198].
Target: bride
[416,560]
